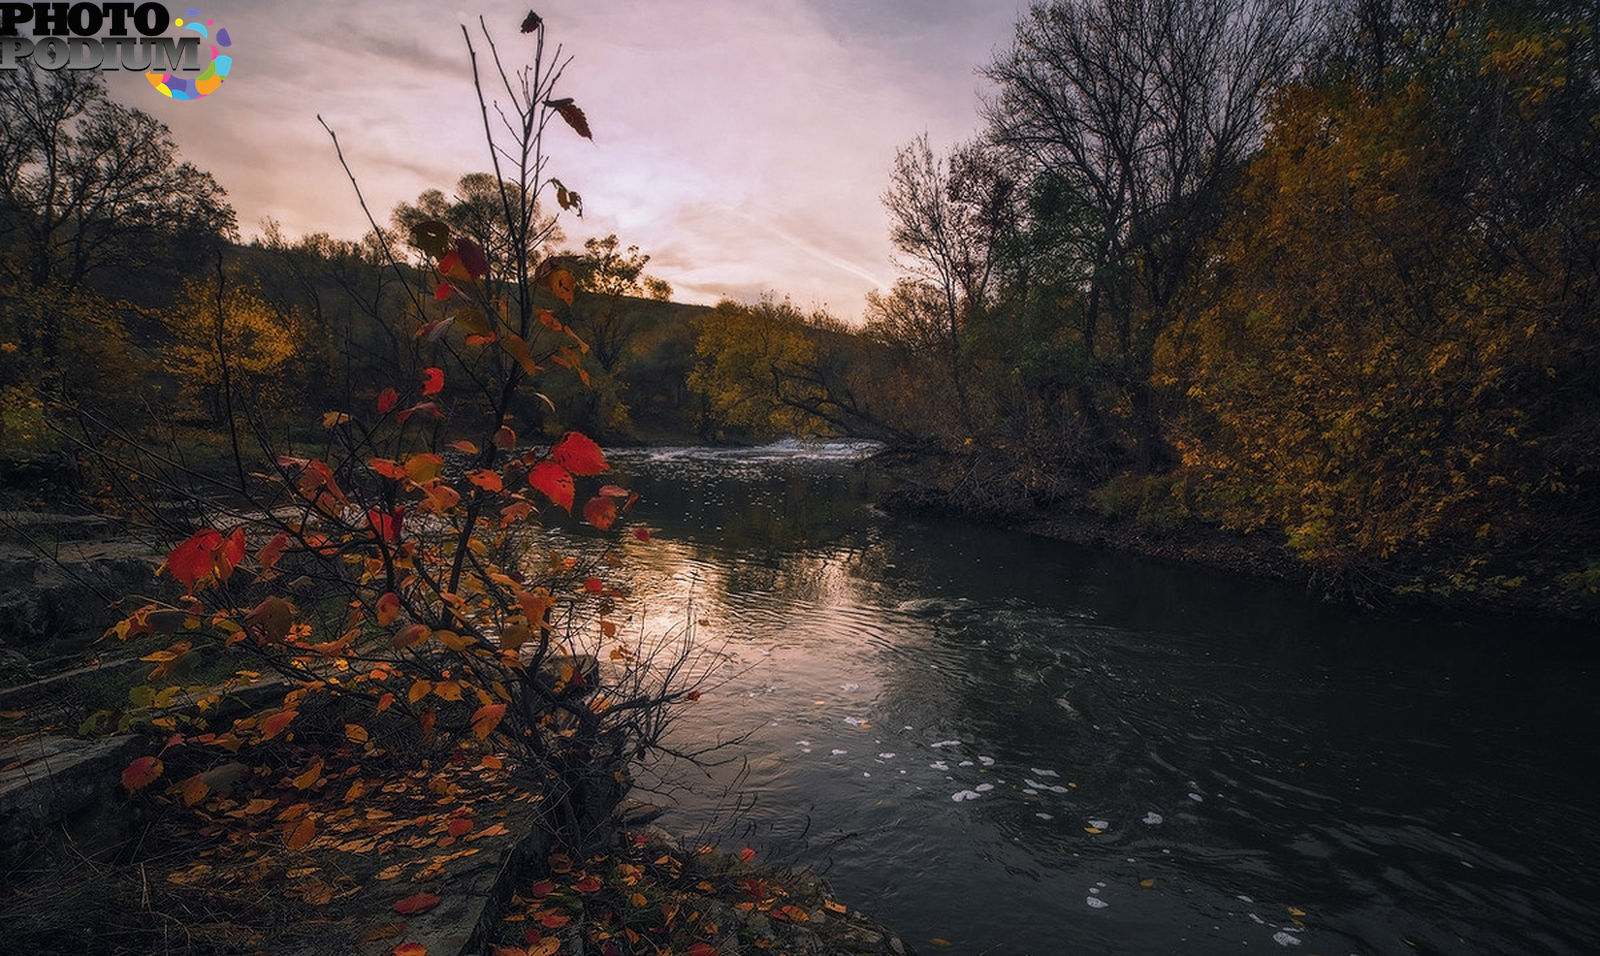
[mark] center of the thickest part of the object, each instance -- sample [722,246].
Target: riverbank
[940,486]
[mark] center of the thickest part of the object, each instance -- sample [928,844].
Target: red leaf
[643,534]
[747,854]
[141,773]
[428,407]
[388,608]
[432,381]
[554,481]
[441,292]
[386,526]
[273,550]
[277,723]
[192,560]
[505,438]
[593,585]
[579,454]
[387,399]
[589,884]
[410,949]
[542,888]
[452,267]
[416,903]
[472,257]
[600,512]
[232,553]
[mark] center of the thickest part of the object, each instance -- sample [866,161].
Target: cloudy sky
[743,144]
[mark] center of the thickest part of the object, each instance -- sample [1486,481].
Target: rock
[70,591]
[65,787]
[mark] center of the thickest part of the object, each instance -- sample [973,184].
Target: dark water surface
[940,715]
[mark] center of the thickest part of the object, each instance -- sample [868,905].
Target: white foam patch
[1096,902]
[986,761]
[855,721]
[961,795]
[1100,824]
[946,743]
[984,787]
[886,756]
[847,688]
[1030,791]
[838,753]
[1197,798]
[1153,818]
[939,765]
[964,763]
[1286,939]
[1043,773]
[1044,816]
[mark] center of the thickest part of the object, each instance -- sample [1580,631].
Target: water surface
[1023,746]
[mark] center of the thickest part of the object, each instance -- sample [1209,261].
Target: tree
[86,183]
[227,336]
[945,219]
[1136,115]
[479,209]
[1394,356]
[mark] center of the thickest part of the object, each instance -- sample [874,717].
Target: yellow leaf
[1148,882]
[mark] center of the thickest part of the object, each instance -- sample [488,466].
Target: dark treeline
[1326,273]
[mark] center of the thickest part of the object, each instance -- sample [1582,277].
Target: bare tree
[1136,113]
[945,216]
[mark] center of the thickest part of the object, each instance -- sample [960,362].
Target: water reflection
[940,715]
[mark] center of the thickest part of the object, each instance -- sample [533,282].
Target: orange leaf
[388,608]
[411,636]
[277,723]
[410,949]
[491,762]
[424,467]
[504,437]
[384,703]
[486,478]
[387,468]
[356,734]
[600,512]
[515,512]
[271,619]
[465,447]
[416,903]
[486,719]
[579,454]
[299,834]
[309,778]
[459,826]
[141,773]
[554,481]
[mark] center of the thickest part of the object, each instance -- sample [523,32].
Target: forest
[1323,277]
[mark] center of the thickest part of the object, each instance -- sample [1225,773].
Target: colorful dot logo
[210,80]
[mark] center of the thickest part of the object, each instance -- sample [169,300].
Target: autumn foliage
[390,592]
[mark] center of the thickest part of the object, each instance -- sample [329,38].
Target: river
[1013,745]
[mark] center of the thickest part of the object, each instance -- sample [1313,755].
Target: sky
[742,144]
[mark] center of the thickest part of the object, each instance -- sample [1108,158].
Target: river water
[1014,745]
